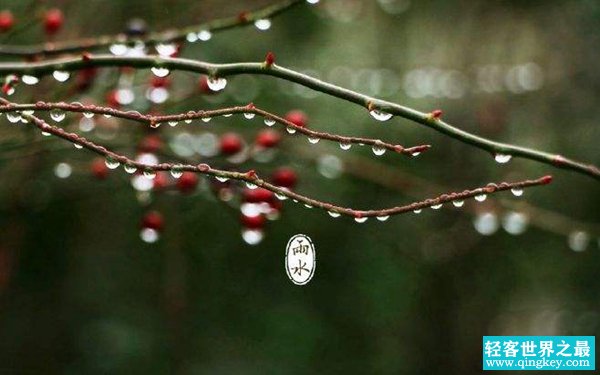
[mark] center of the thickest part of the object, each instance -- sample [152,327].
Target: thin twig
[223,70]
[155,121]
[169,36]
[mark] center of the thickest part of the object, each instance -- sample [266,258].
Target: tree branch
[169,36]
[223,70]
[155,121]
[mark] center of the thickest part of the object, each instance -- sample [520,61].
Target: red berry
[285,177]
[203,86]
[99,169]
[153,220]
[150,143]
[188,182]
[298,118]
[160,181]
[268,138]
[270,59]
[231,144]
[258,195]
[160,82]
[53,21]
[6,20]
[253,222]
[112,99]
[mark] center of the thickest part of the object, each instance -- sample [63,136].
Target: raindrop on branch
[380,115]
[160,72]
[502,158]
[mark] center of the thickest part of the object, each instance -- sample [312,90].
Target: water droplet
[88,114]
[458,203]
[63,170]
[86,124]
[149,173]
[345,145]
[250,185]
[118,49]
[380,115]
[112,163]
[383,218]
[290,130]
[418,211]
[204,35]
[206,119]
[263,24]
[252,236]
[160,72]
[228,115]
[166,50]
[29,80]
[125,96]
[378,150]
[57,115]
[486,223]
[46,134]
[517,192]
[480,197]
[436,206]
[154,125]
[578,240]
[107,115]
[191,37]
[308,205]
[360,219]
[173,123]
[515,223]
[269,121]
[77,146]
[216,83]
[130,168]
[28,112]
[176,171]
[13,117]
[415,154]
[502,158]
[222,179]
[334,214]
[61,76]
[149,235]
[249,116]
[313,141]
[312,1]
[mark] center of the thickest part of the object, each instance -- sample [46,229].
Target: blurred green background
[80,293]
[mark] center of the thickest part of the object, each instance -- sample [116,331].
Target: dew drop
[160,72]
[334,214]
[154,125]
[517,192]
[263,24]
[61,76]
[149,235]
[578,240]
[222,179]
[249,116]
[29,80]
[129,168]
[228,115]
[415,154]
[77,146]
[313,141]
[360,219]
[57,115]
[191,37]
[176,171]
[149,173]
[290,130]
[13,117]
[480,197]
[252,236]
[166,49]
[46,134]
[378,150]
[436,206]
[502,158]
[216,83]
[204,35]
[380,115]
[112,163]
[118,49]
[280,196]
[206,119]
[486,223]
[250,185]
[345,145]
[383,218]
[173,123]
[417,211]
[308,205]
[312,2]
[269,121]
[458,203]
[88,114]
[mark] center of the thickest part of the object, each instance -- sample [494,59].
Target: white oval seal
[300,259]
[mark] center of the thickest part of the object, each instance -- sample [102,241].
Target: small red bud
[187,183]
[297,118]
[7,21]
[436,114]
[251,174]
[86,56]
[243,16]
[53,21]
[269,59]
[546,179]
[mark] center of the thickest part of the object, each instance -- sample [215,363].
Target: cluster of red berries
[53,21]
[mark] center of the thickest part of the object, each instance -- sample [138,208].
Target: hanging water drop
[280,196]
[160,72]
[13,117]
[206,119]
[313,141]
[312,2]
[204,35]
[46,134]
[166,50]
[173,123]
[502,158]
[269,121]
[249,115]
[436,206]
[383,218]
[57,115]
[480,197]
[176,171]
[130,168]
[417,211]
[517,192]
[216,83]
[61,76]
[88,114]
[222,179]
[78,146]
[118,49]
[263,24]
[378,150]
[290,130]
[250,185]
[458,203]
[380,115]
[228,115]
[345,145]
[334,214]
[29,80]
[149,173]
[111,163]
[360,219]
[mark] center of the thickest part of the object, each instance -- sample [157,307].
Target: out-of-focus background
[82,293]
